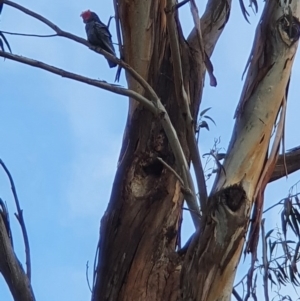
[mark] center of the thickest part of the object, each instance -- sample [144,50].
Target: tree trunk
[140,231]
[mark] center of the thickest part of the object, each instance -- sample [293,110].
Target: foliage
[280,254]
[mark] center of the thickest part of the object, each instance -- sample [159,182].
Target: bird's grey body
[98,34]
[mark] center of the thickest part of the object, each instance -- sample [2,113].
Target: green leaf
[204,111]
[273,245]
[295,223]
[205,116]
[282,272]
[292,276]
[244,11]
[269,233]
[297,215]
[203,124]
[271,279]
[283,223]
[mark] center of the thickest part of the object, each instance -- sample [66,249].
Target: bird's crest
[86,15]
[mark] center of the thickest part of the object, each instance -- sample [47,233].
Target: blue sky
[61,139]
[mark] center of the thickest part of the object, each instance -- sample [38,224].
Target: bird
[98,34]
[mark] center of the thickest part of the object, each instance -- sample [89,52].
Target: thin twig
[281,202]
[30,34]
[178,5]
[109,20]
[82,41]
[265,260]
[95,272]
[190,198]
[283,130]
[194,149]
[20,219]
[171,170]
[87,276]
[236,295]
[241,281]
[93,82]
[119,37]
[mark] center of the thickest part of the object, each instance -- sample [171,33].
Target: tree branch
[20,219]
[291,159]
[183,98]
[10,267]
[96,83]
[286,164]
[178,5]
[155,107]
[30,35]
[119,37]
[170,131]
[265,260]
[213,21]
[84,42]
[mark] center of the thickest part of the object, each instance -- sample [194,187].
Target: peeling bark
[211,261]
[213,256]
[11,268]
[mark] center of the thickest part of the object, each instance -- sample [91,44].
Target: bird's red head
[86,15]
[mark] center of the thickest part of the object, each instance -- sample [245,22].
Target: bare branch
[82,41]
[5,217]
[286,164]
[156,108]
[171,170]
[118,31]
[195,152]
[87,275]
[30,34]
[291,159]
[236,295]
[11,268]
[191,198]
[97,83]
[265,260]
[109,20]
[20,219]
[178,5]
[183,97]
[43,20]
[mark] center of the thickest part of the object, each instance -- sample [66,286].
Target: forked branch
[155,107]
[20,219]
[10,267]
[153,104]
